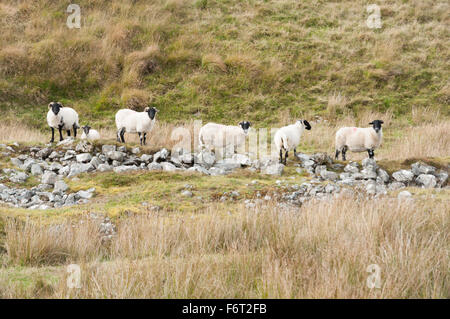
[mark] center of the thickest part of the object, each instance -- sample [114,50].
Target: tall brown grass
[20,132]
[320,250]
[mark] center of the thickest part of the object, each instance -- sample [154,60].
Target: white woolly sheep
[62,118]
[89,134]
[359,139]
[288,138]
[129,121]
[212,135]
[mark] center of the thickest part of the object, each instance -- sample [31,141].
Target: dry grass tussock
[19,132]
[320,250]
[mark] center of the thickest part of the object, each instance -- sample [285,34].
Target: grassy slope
[219,60]
[223,60]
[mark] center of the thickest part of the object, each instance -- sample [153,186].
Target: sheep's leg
[285,157]
[68,132]
[336,157]
[371,153]
[344,150]
[74,130]
[140,137]
[295,152]
[60,133]
[281,156]
[120,135]
[145,138]
[53,135]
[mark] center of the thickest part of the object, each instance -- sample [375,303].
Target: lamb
[62,118]
[211,135]
[357,139]
[288,137]
[90,134]
[130,121]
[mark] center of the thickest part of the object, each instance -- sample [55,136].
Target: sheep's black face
[376,125]
[86,129]
[306,124]
[245,126]
[56,107]
[152,112]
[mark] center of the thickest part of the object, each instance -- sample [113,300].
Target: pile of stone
[43,196]
[370,177]
[67,160]
[70,162]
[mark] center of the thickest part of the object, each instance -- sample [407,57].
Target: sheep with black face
[129,121]
[90,134]
[359,139]
[288,138]
[219,136]
[62,118]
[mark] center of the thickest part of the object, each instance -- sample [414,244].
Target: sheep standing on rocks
[90,134]
[211,135]
[357,139]
[62,118]
[288,138]
[130,121]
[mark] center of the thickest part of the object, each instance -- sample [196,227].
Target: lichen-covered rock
[154,167]
[44,153]
[403,176]
[160,156]
[383,176]
[274,169]
[369,162]
[216,171]
[49,178]
[328,175]
[61,186]
[104,168]
[351,167]
[168,167]
[116,156]
[442,177]
[198,168]
[84,158]
[36,170]
[108,148]
[426,180]
[79,168]
[419,168]
[242,159]
[206,158]
[146,158]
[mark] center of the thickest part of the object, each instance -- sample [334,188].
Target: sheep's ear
[241,123]
[307,125]
[146,109]
[381,122]
[50,105]
[371,123]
